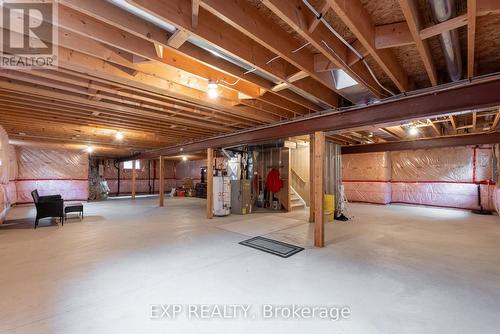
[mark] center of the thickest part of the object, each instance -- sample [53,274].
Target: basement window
[128,165]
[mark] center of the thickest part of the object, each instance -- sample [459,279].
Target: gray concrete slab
[400,269]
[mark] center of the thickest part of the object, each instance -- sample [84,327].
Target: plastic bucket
[329,207]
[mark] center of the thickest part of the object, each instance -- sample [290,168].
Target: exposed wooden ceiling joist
[410,12]
[199,59]
[477,94]
[355,16]
[224,36]
[471,36]
[293,13]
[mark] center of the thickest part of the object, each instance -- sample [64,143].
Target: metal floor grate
[272,246]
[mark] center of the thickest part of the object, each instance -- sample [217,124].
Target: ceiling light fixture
[212,91]
[119,135]
[413,131]
[184,158]
[89,149]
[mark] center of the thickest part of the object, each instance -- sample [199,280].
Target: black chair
[48,206]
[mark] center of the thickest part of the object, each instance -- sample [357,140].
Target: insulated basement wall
[4,174]
[366,177]
[62,172]
[174,172]
[447,177]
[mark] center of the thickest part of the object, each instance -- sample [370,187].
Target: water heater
[222,196]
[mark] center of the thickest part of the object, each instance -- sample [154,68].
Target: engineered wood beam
[319,180]
[357,19]
[410,12]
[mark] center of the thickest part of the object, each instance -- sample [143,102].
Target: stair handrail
[297,175]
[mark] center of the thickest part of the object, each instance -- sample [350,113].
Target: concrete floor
[400,269]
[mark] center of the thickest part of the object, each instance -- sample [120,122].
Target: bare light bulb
[89,149]
[212,91]
[413,131]
[184,158]
[119,135]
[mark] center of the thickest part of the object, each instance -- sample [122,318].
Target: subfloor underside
[400,269]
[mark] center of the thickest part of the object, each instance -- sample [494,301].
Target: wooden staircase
[297,201]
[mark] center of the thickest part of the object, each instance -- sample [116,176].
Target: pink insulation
[4,173]
[52,172]
[496,199]
[4,157]
[4,205]
[367,176]
[454,195]
[446,177]
[13,171]
[454,164]
[366,167]
[70,190]
[12,192]
[370,192]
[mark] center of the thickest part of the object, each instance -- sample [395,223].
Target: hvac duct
[443,10]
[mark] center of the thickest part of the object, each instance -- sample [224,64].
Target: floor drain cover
[272,246]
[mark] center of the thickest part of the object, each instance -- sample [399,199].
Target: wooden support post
[289,197]
[311,178]
[161,181]
[210,183]
[133,178]
[319,160]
